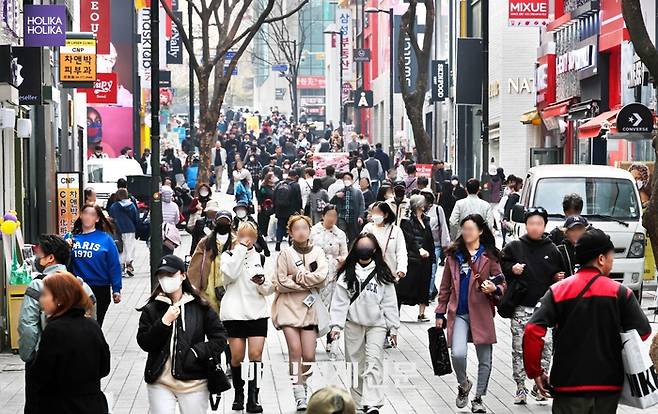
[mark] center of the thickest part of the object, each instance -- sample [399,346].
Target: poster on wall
[95,18]
[528,13]
[69,191]
[26,74]
[106,126]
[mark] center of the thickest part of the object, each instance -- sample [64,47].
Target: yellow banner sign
[77,60]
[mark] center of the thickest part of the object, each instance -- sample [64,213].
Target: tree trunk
[650,213]
[421,137]
[293,98]
[206,133]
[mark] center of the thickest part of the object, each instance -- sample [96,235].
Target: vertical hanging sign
[144,49]
[95,18]
[69,189]
[344,22]
[174,49]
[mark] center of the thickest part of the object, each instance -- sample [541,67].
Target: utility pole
[190,30]
[485,92]
[156,205]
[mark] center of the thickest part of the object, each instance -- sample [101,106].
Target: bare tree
[228,18]
[285,41]
[646,50]
[414,99]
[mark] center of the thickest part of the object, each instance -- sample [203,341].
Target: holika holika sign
[44,25]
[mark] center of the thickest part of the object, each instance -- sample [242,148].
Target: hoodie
[124,214]
[376,305]
[542,260]
[95,259]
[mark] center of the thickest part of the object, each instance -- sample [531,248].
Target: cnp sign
[528,12]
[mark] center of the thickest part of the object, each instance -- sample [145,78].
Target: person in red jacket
[588,310]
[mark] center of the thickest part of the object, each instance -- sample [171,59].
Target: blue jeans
[374,187]
[459,350]
[435,267]
[281,228]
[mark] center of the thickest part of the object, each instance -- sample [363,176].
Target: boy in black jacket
[535,262]
[574,228]
[588,311]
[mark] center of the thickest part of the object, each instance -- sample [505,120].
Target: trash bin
[15,294]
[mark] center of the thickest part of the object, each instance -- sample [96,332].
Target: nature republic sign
[44,25]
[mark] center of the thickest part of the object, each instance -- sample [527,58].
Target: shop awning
[530,117]
[555,110]
[592,128]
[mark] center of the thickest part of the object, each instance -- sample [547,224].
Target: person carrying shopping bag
[364,306]
[472,278]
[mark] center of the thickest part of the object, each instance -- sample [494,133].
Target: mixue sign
[532,13]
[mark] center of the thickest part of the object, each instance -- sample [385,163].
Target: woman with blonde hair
[244,312]
[301,270]
[331,400]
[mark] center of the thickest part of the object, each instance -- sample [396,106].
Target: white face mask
[347,183]
[222,238]
[170,284]
[377,218]
[285,176]
[454,182]
[204,192]
[241,213]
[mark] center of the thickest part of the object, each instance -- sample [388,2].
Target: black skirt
[246,329]
[413,289]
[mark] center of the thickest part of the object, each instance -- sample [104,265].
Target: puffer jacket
[191,350]
[417,237]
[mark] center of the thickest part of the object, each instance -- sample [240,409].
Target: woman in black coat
[73,355]
[413,289]
[176,317]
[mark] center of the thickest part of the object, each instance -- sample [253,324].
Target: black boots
[252,391]
[238,387]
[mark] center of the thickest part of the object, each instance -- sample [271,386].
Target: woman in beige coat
[301,270]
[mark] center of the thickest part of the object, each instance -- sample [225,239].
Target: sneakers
[477,406]
[423,318]
[521,396]
[538,395]
[130,271]
[299,391]
[462,394]
[371,410]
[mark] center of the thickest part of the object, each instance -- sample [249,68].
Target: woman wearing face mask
[318,199]
[204,271]
[333,241]
[360,171]
[390,238]
[414,289]
[364,305]
[95,258]
[471,278]
[301,269]
[73,355]
[181,333]
[245,312]
[265,198]
[170,215]
[254,167]
[243,192]
[242,215]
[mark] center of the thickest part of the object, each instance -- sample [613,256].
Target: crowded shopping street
[328,206]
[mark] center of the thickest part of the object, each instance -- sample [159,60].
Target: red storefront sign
[528,12]
[95,18]
[311,82]
[545,81]
[424,170]
[104,90]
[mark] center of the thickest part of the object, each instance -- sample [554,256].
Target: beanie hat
[591,244]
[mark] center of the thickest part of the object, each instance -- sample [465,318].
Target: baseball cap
[212,205]
[573,221]
[591,244]
[170,264]
[224,214]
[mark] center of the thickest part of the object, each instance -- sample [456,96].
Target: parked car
[103,174]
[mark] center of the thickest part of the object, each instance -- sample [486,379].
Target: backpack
[282,195]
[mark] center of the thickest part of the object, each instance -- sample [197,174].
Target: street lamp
[375,10]
[333,30]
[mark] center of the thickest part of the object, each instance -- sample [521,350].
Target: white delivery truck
[611,202]
[103,174]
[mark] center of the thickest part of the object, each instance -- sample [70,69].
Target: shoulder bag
[493,299]
[321,311]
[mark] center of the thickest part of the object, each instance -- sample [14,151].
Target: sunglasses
[536,210]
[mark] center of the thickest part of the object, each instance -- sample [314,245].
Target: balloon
[10,217]
[8,227]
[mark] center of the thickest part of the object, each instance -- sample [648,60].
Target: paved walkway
[420,392]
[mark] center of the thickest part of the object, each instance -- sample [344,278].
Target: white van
[611,202]
[103,174]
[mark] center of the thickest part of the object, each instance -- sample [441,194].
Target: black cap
[573,221]
[591,244]
[170,264]
[224,214]
[241,204]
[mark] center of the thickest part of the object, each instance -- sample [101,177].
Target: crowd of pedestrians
[352,246]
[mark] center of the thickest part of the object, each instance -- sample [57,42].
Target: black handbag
[439,351]
[218,382]
[517,289]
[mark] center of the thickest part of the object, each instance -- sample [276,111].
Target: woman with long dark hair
[181,333]
[95,258]
[317,200]
[472,278]
[365,306]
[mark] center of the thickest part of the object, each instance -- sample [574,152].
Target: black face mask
[364,253]
[223,228]
[38,266]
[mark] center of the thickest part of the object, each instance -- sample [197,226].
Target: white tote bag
[640,378]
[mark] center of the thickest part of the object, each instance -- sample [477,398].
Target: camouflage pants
[520,319]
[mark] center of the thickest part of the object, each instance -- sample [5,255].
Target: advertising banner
[26,72]
[95,18]
[104,90]
[410,62]
[144,47]
[44,25]
[69,191]
[344,22]
[424,170]
[77,59]
[440,80]
[340,161]
[174,45]
[311,82]
[528,13]
[109,126]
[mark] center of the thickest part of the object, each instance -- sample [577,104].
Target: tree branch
[184,37]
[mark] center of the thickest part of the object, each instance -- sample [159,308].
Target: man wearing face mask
[254,166]
[204,225]
[53,252]
[242,215]
[399,203]
[452,191]
[351,206]
[287,200]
